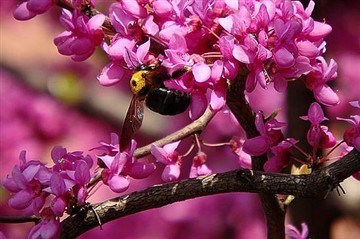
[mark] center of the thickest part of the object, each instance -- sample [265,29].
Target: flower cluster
[82,36]
[49,192]
[275,41]
[118,166]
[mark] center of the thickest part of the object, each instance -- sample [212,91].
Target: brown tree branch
[192,128]
[243,180]
[274,213]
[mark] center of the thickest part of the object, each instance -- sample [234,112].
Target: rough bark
[319,183]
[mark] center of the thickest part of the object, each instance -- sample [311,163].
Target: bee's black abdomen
[167,102]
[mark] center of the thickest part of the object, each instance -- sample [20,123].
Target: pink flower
[198,167]
[253,54]
[236,144]
[352,135]
[111,175]
[68,161]
[294,233]
[270,135]
[318,135]
[168,156]
[317,81]
[31,8]
[120,52]
[71,173]
[59,189]
[48,228]
[118,166]
[27,183]
[285,48]
[281,156]
[124,15]
[82,35]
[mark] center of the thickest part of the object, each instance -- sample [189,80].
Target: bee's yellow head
[138,82]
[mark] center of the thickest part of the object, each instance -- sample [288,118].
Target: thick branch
[243,180]
[275,215]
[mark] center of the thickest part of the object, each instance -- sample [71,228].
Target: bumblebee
[147,85]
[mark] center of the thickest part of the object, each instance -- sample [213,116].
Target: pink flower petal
[22,13]
[57,184]
[315,114]
[150,26]
[283,58]
[216,70]
[118,183]
[58,206]
[217,98]
[241,55]
[320,31]
[140,170]
[198,105]
[21,200]
[111,74]
[95,22]
[308,49]
[162,8]
[171,173]
[201,72]
[30,171]
[159,153]
[39,6]
[325,95]
[170,148]
[256,146]
[132,7]
[227,23]
[81,46]
[82,172]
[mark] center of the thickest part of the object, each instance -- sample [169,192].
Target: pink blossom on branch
[82,35]
[352,135]
[318,135]
[281,155]
[171,158]
[117,167]
[47,228]
[198,167]
[270,135]
[27,183]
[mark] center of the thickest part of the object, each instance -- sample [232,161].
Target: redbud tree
[238,55]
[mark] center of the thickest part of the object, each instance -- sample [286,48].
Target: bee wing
[132,123]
